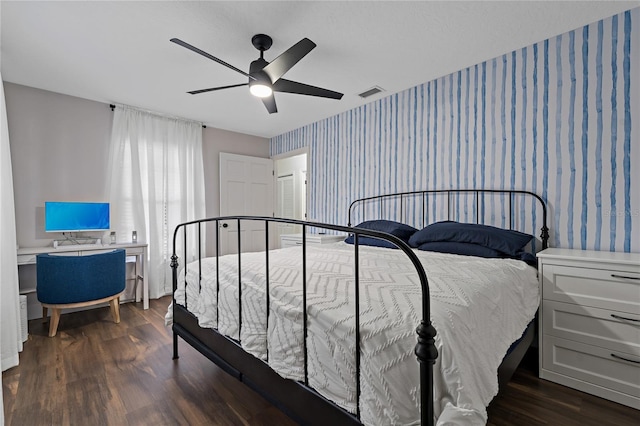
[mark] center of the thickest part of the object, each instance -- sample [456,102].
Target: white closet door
[286,200]
[286,197]
[246,188]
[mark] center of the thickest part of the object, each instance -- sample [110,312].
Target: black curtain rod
[113,107]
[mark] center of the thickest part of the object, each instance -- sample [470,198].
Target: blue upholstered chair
[76,281]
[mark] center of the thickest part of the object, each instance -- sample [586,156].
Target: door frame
[288,154]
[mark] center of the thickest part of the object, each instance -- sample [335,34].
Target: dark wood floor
[98,373]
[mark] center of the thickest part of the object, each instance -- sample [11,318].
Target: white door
[291,200]
[285,197]
[246,189]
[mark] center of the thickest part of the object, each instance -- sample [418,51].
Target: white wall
[59,152]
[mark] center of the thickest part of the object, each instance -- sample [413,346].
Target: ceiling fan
[266,77]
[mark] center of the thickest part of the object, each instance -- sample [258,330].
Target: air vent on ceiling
[370,92]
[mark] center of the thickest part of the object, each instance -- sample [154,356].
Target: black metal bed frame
[301,402]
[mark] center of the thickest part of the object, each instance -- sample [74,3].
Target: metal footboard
[425,349]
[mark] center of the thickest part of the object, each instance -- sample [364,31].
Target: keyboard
[81,247]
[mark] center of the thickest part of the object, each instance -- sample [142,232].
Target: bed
[328,333]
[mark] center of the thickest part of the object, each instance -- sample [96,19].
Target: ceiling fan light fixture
[260,90]
[266,77]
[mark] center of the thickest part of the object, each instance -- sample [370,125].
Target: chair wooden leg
[55,318]
[45,317]
[115,309]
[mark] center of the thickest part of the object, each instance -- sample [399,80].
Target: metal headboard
[404,198]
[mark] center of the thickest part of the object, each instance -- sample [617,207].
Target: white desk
[27,256]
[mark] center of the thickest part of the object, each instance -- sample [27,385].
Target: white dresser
[291,240]
[590,322]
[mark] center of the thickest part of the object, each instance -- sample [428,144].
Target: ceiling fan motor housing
[255,71]
[257,66]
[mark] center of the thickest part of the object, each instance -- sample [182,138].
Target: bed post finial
[427,354]
[426,347]
[545,236]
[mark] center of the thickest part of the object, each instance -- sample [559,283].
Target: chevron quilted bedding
[478,307]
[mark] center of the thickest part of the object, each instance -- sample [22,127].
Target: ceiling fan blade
[288,86]
[270,103]
[195,92]
[288,59]
[206,55]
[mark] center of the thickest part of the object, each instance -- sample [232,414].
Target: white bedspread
[478,307]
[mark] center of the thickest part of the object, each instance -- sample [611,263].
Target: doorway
[291,190]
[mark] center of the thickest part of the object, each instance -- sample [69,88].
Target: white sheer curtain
[10,334]
[156,182]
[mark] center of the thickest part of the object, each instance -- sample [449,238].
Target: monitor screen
[76,217]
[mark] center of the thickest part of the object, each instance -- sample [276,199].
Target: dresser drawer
[614,330]
[594,365]
[290,243]
[292,240]
[600,288]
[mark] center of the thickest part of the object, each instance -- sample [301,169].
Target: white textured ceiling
[119,51]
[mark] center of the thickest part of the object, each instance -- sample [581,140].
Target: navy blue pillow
[400,230]
[466,249]
[503,240]
[529,258]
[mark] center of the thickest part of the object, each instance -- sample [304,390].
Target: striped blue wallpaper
[554,118]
